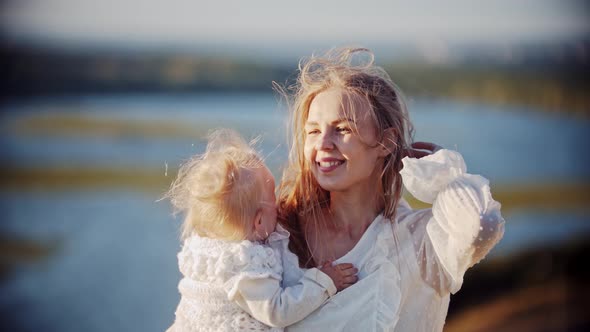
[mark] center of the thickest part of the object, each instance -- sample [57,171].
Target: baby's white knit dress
[236,286]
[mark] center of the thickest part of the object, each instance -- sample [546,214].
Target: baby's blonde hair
[219,191]
[344,68]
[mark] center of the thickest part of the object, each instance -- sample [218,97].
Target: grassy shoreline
[564,195]
[80,125]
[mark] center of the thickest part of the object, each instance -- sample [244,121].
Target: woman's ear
[388,143]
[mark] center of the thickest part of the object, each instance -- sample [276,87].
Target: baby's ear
[388,145]
[258,223]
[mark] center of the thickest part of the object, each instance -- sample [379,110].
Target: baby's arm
[266,301]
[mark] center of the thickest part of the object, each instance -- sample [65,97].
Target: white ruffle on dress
[236,286]
[408,269]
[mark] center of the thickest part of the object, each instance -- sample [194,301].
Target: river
[113,266]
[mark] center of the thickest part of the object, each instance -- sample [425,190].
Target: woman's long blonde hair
[218,191]
[301,199]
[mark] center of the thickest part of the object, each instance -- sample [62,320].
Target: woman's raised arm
[464,223]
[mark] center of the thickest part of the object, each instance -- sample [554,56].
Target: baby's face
[268,204]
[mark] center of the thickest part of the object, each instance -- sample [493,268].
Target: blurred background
[101,101]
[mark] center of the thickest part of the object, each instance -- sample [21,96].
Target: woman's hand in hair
[421,149]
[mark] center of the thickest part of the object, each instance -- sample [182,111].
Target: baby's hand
[343,275]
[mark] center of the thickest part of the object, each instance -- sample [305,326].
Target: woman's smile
[327,165]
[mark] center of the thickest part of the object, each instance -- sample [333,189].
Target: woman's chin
[331,185]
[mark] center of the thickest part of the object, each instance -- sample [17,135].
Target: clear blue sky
[271,25]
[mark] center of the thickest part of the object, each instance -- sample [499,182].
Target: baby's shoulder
[212,260]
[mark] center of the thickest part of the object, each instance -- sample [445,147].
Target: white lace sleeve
[257,290]
[463,225]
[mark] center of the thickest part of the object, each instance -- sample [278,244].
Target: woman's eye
[344,130]
[313,131]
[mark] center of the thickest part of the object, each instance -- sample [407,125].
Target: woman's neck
[355,209]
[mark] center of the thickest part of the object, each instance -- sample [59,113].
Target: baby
[231,274]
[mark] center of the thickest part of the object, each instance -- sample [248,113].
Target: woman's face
[342,151]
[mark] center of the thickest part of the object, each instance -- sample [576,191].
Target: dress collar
[367,239]
[278,235]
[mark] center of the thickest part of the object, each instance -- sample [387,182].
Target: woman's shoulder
[400,234]
[379,235]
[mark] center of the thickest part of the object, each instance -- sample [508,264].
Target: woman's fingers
[421,149]
[416,153]
[426,146]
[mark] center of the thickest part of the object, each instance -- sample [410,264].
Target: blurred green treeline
[548,83]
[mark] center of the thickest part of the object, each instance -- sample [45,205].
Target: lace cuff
[424,178]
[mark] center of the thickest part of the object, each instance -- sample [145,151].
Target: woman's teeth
[330,163]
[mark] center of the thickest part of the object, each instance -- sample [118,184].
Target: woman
[340,198]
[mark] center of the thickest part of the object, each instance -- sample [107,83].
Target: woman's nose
[325,142]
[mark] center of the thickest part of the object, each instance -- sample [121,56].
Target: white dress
[408,269]
[236,286]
